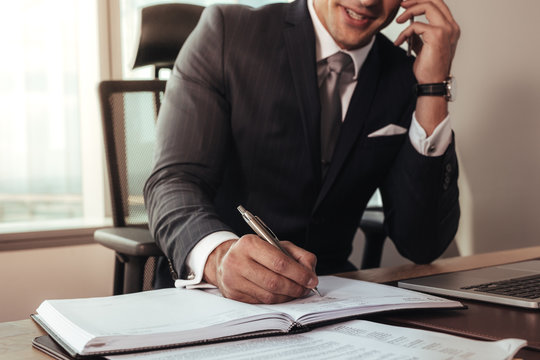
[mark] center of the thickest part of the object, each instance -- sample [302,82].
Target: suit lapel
[356,118]
[300,44]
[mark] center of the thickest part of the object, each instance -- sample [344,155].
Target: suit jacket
[240,125]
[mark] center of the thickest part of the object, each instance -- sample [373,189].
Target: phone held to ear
[409,41]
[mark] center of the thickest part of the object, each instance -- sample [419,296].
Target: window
[50,139]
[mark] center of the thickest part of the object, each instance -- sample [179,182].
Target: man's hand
[435,45]
[251,270]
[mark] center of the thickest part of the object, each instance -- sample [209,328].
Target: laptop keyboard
[527,287]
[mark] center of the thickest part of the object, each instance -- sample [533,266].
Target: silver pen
[265,233]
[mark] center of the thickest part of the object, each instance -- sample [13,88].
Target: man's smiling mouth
[357,16]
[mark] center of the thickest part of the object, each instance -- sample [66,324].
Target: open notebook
[175,317]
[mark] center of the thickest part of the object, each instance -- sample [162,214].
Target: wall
[496,119]
[497,122]
[27,277]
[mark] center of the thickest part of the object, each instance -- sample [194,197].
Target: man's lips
[358,16]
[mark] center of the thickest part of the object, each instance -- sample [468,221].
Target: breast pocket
[390,141]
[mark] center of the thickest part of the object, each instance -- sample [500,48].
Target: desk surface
[16,336]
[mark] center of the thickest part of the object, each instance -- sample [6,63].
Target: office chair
[129,110]
[372,225]
[164,29]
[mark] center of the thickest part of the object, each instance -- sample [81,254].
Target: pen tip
[316,291]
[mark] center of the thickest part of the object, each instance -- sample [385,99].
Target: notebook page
[341,296]
[355,339]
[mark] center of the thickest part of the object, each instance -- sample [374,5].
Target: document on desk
[355,339]
[174,317]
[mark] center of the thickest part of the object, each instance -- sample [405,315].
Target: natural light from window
[50,140]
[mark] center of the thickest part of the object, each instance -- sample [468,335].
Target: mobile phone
[409,41]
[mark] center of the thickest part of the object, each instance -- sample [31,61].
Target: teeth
[355,15]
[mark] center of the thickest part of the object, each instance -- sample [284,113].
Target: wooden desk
[447,265]
[16,336]
[16,340]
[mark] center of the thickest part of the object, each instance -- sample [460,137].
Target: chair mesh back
[130,137]
[149,271]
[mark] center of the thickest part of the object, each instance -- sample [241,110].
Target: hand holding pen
[252,270]
[265,233]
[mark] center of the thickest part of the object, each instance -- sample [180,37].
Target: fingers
[434,42]
[254,271]
[302,256]
[291,269]
[415,29]
[437,13]
[439,4]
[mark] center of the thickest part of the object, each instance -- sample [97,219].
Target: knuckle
[246,241]
[271,283]
[279,264]
[457,31]
[311,258]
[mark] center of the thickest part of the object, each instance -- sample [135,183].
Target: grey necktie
[337,66]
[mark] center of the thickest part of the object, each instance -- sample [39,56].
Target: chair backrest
[129,112]
[164,29]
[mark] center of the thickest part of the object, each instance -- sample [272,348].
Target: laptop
[516,284]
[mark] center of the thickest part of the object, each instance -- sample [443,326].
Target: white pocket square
[389,130]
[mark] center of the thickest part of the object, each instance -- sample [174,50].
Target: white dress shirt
[325,46]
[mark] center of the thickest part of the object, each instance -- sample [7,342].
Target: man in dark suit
[241,125]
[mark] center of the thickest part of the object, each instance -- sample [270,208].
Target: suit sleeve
[420,197]
[193,139]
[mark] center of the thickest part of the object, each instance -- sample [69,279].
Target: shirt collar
[325,45]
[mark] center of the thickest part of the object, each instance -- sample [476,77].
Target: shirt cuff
[437,143]
[196,259]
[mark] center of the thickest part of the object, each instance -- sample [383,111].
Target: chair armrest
[372,224]
[131,241]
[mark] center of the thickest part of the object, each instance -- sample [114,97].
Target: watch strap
[435,89]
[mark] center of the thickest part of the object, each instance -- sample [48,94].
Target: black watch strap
[445,89]
[435,89]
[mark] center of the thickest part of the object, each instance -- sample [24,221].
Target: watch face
[450,88]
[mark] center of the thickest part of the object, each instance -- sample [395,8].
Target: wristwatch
[447,88]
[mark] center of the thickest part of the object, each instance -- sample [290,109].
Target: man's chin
[354,43]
